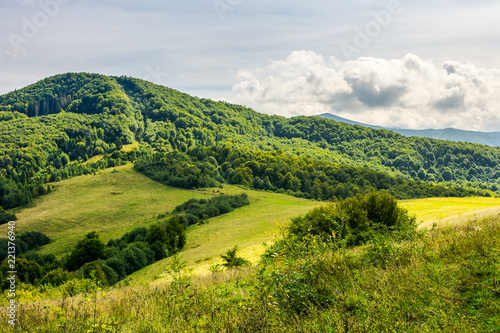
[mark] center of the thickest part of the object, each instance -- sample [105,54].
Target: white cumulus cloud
[409,92]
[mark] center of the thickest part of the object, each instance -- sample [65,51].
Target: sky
[399,63]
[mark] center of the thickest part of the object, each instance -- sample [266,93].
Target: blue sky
[415,64]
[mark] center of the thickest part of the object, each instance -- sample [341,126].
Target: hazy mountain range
[452,134]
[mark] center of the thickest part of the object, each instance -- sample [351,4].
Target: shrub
[28,271]
[35,239]
[118,265]
[134,258]
[76,286]
[176,235]
[159,249]
[232,261]
[24,243]
[89,249]
[56,277]
[110,273]
[356,220]
[136,235]
[98,274]
[6,217]
[196,210]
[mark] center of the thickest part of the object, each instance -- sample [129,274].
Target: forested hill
[47,128]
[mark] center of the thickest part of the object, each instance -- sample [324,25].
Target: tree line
[281,172]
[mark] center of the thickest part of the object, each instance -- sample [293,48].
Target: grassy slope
[249,228]
[113,203]
[206,242]
[110,203]
[444,281]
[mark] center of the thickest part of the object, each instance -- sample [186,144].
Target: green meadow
[438,281]
[250,228]
[118,200]
[112,203]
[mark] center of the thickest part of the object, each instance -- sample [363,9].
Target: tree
[176,235]
[89,249]
[56,277]
[316,191]
[118,143]
[92,270]
[447,174]
[6,217]
[27,270]
[64,159]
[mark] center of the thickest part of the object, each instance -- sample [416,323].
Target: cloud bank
[409,92]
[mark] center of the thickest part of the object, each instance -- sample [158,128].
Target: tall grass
[444,280]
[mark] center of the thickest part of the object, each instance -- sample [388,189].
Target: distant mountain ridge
[451,134]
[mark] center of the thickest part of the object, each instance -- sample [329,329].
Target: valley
[139,208]
[117,200]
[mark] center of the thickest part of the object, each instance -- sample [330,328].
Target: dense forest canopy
[49,130]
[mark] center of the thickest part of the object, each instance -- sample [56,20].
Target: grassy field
[130,147]
[121,199]
[110,203]
[445,280]
[206,242]
[249,227]
[93,159]
[443,211]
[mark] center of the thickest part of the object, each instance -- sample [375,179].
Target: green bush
[356,220]
[196,210]
[232,261]
[118,265]
[34,239]
[6,217]
[297,283]
[56,277]
[89,249]
[76,286]
[92,270]
[25,242]
[111,276]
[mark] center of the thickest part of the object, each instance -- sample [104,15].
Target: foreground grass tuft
[445,280]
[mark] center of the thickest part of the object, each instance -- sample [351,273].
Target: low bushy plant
[231,260]
[56,277]
[356,220]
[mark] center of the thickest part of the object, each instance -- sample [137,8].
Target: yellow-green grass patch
[93,159]
[443,211]
[130,147]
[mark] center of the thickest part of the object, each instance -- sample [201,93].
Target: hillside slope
[112,203]
[250,228]
[48,128]
[120,199]
[441,280]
